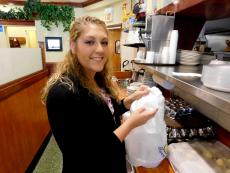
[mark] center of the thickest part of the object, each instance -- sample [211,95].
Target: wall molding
[17,22]
[74,4]
[12,87]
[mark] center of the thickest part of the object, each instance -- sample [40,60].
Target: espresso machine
[156,36]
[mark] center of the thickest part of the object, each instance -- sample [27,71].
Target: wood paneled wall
[24,125]
[114,35]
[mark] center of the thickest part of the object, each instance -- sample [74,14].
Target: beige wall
[98,10]
[56,32]
[19,62]
[26,32]
[3,41]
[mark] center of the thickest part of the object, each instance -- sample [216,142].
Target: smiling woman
[81,95]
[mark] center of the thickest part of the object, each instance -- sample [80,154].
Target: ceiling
[76,3]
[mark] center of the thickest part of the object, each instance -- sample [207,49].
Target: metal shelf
[137,45]
[214,104]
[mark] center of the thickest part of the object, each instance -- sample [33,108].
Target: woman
[83,109]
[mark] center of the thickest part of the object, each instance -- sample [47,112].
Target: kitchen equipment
[150,57]
[137,75]
[125,63]
[148,80]
[140,55]
[173,46]
[158,32]
[216,76]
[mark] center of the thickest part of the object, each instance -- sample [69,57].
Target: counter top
[212,103]
[164,167]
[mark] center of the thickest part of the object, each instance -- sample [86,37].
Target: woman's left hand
[143,90]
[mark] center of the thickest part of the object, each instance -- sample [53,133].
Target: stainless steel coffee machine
[157,34]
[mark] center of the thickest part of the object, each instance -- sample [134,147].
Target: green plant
[31,8]
[48,14]
[14,13]
[53,15]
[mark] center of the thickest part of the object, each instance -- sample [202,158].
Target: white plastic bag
[145,145]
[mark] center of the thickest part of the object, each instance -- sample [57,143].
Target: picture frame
[108,14]
[117,47]
[53,43]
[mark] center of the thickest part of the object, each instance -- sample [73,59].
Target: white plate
[186,74]
[218,88]
[189,63]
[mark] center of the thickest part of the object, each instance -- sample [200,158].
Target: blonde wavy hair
[71,67]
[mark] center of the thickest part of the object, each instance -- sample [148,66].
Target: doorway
[114,47]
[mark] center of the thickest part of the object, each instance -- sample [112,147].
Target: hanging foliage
[50,15]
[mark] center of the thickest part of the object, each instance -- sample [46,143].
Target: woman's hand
[143,90]
[137,118]
[141,116]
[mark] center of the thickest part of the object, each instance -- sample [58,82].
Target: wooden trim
[164,167]
[74,4]
[183,4]
[51,66]
[117,26]
[42,47]
[17,22]
[12,87]
[25,122]
[203,9]
[122,74]
[185,26]
[15,2]
[90,2]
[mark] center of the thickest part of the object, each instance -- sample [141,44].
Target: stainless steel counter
[214,104]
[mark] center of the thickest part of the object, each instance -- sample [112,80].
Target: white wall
[3,41]
[217,42]
[56,32]
[21,31]
[98,10]
[127,53]
[19,62]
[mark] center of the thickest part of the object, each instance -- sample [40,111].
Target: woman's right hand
[137,118]
[141,116]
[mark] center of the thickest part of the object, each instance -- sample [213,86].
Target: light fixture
[10,4]
[175,2]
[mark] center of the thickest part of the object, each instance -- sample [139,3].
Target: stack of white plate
[216,76]
[188,57]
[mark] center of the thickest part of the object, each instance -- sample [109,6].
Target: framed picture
[117,47]
[108,14]
[53,43]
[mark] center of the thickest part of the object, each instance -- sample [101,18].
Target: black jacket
[83,129]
